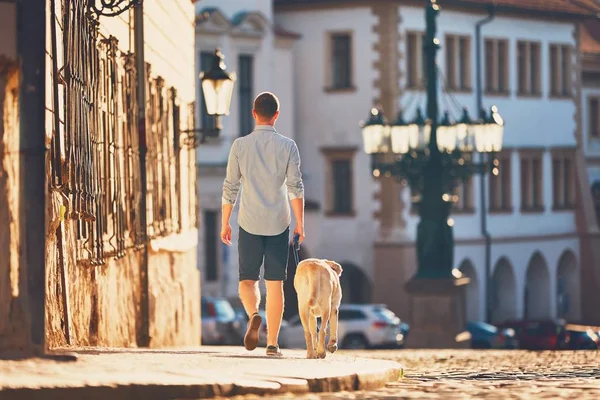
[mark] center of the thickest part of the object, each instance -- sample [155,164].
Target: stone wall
[101,305]
[13,327]
[104,301]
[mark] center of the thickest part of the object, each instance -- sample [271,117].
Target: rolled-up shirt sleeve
[294,183]
[231,185]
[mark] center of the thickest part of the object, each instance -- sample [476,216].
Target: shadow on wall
[537,289]
[356,285]
[472,295]
[504,292]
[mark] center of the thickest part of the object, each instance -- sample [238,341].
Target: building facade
[114,208]
[354,55]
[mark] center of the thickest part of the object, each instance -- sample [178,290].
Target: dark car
[219,323]
[539,335]
[583,339]
[486,336]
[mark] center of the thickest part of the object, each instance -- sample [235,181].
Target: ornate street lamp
[217,88]
[433,156]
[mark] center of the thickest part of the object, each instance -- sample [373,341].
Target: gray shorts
[254,249]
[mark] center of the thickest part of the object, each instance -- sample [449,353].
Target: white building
[351,56]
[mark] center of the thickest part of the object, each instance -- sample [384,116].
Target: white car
[360,326]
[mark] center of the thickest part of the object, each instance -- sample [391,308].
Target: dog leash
[296,248]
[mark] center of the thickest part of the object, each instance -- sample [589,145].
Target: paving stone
[489,374]
[188,373]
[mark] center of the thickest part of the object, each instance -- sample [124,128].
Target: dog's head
[335,266]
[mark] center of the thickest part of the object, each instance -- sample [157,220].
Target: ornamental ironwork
[112,8]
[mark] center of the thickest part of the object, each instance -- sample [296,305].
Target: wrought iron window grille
[112,8]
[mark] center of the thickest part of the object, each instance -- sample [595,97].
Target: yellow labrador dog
[317,283]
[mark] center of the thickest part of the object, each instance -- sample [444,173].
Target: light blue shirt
[267,167]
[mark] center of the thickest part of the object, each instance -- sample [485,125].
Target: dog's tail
[314,284]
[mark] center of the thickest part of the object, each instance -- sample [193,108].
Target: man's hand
[299,230]
[226,234]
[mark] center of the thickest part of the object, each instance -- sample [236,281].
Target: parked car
[583,338]
[487,336]
[360,326]
[539,335]
[219,323]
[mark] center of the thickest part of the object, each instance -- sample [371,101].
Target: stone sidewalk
[148,374]
[476,375]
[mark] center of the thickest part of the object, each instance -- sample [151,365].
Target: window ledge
[563,208]
[529,95]
[348,89]
[533,210]
[463,211]
[508,210]
[414,87]
[497,93]
[336,214]
[557,96]
[460,90]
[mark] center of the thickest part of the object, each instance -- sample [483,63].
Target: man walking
[267,166]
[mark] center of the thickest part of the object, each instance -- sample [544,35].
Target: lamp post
[217,88]
[433,156]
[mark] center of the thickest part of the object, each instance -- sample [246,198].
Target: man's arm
[295,189]
[231,188]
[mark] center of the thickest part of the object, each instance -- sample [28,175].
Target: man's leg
[276,259]
[251,254]
[275,303]
[250,296]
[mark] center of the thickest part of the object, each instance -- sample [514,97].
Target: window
[496,66]
[339,182]
[464,202]
[596,197]
[245,85]
[458,62]
[348,315]
[210,245]
[529,68]
[532,193]
[207,121]
[593,117]
[342,184]
[560,70]
[341,61]
[563,179]
[415,60]
[500,185]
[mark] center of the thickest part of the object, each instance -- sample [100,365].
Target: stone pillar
[437,313]
[585,214]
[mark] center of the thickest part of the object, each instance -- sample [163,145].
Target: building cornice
[471,6]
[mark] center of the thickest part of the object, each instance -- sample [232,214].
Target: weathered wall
[175,294]
[13,326]
[12,323]
[104,301]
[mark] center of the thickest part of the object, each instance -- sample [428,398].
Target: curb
[372,374]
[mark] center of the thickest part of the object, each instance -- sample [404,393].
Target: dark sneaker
[273,351]
[251,337]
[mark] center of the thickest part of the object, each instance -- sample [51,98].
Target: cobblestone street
[467,374]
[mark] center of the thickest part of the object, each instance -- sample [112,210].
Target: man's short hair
[266,105]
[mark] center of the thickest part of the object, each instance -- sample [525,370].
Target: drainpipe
[143,339]
[31,39]
[485,233]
